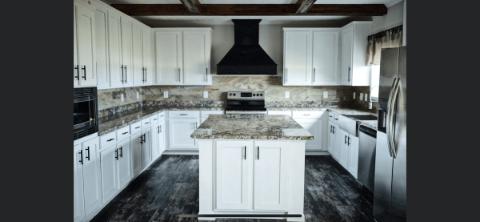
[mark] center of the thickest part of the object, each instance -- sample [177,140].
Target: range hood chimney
[246,56]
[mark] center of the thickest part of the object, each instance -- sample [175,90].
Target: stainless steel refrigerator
[390,183]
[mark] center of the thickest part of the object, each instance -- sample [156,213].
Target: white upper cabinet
[297,57]
[183,56]
[101,43]
[148,55]
[196,57]
[168,52]
[325,57]
[354,70]
[115,50]
[127,44]
[137,53]
[310,56]
[84,40]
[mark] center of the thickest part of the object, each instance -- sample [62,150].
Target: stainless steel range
[245,102]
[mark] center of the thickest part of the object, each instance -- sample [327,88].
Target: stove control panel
[246,95]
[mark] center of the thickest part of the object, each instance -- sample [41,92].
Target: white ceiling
[386,2]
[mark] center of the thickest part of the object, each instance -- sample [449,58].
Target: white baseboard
[316,153]
[180,152]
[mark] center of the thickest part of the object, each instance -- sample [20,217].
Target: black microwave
[84,112]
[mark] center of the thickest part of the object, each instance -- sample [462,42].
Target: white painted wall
[270,39]
[394,17]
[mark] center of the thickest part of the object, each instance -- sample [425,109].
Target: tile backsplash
[125,100]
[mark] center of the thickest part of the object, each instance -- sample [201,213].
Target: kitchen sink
[362,117]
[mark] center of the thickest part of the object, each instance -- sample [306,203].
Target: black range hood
[246,56]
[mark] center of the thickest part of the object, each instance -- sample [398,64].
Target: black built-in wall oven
[84,112]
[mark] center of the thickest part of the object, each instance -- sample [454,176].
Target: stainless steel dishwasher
[366,156]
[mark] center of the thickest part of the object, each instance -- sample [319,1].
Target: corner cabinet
[354,70]
[183,56]
[310,56]
[84,48]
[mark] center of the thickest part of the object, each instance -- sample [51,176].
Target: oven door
[245,105]
[84,114]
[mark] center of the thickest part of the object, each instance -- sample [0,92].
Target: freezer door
[388,70]
[383,179]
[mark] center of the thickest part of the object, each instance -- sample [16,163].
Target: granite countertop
[251,126]
[124,120]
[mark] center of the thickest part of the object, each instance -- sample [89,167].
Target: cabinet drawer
[154,119]
[136,127]
[107,140]
[161,115]
[308,114]
[147,123]
[123,133]
[184,114]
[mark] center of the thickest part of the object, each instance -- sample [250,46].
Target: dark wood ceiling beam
[304,5]
[191,5]
[253,9]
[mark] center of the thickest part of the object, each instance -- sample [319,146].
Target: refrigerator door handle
[389,115]
[394,118]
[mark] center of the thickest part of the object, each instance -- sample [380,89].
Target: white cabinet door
[333,142]
[342,146]
[155,141]
[91,176]
[85,19]
[325,57]
[316,128]
[269,176]
[123,164]
[148,56]
[352,163]
[180,130]
[115,50]
[78,207]
[346,56]
[136,154]
[168,49]
[297,58]
[101,43]
[162,136]
[137,54]
[196,61]
[127,43]
[147,148]
[108,163]
[233,172]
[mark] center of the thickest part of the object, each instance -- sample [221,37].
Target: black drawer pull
[109,139]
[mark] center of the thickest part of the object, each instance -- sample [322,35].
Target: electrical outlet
[205,94]
[287,94]
[354,95]
[370,105]
[366,97]
[325,94]
[361,96]
[138,95]
[165,94]
[122,97]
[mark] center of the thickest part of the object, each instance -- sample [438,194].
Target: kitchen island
[251,166]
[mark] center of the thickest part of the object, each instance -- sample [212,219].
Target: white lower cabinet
[147,148]
[234,175]
[87,185]
[269,176]
[315,122]
[181,125]
[108,163]
[352,161]
[123,164]
[253,176]
[136,154]
[158,137]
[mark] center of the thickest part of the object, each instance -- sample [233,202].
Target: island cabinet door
[233,172]
[269,176]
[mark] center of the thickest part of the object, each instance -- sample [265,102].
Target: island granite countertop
[251,126]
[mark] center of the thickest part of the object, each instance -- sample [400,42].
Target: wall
[111,104]
[394,17]
[270,39]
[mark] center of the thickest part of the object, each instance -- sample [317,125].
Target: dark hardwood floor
[168,191]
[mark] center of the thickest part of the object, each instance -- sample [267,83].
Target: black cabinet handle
[245,152]
[78,72]
[84,68]
[345,140]
[109,139]
[258,152]
[81,157]
[121,68]
[124,133]
[349,140]
[116,154]
[88,153]
[121,151]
